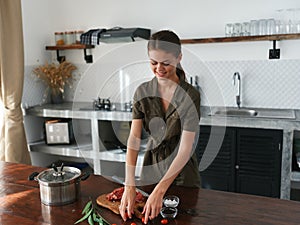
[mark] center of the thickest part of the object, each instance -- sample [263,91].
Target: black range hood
[119,34]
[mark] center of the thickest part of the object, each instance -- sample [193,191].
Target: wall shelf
[57,48]
[275,37]
[274,53]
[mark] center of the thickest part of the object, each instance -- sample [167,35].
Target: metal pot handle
[33,176]
[85,176]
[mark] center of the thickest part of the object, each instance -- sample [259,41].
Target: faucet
[237,76]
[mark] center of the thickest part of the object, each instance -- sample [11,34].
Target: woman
[168,108]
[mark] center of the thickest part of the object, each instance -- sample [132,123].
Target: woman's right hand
[127,202]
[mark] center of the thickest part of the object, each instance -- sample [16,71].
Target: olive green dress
[165,128]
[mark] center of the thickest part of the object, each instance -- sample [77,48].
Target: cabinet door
[258,161]
[219,175]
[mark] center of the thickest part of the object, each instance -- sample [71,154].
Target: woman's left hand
[152,206]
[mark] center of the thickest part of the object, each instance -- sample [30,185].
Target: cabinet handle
[237,167]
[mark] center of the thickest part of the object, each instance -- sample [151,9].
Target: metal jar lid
[61,175]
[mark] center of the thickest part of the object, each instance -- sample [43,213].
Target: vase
[56,97]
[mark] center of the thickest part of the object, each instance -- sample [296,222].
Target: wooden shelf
[275,37]
[57,48]
[274,53]
[69,47]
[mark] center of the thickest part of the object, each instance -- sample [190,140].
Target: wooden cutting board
[114,206]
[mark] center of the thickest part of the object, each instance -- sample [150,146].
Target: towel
[91,37]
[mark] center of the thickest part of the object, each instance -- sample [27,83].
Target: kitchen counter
[76,110]
[81,110]
[20,203]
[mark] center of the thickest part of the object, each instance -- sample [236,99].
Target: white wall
[190,19]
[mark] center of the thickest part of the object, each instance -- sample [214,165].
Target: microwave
[58,131]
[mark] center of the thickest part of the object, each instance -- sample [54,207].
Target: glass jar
[78,33]
[59,38]
[69,37]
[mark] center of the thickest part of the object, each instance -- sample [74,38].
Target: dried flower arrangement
[56,76]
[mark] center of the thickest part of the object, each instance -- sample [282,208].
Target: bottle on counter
[195,83]
[59,38]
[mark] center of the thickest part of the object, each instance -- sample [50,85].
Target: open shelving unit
[275,37]
[274,53]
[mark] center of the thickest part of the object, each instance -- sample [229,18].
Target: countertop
[76,110]
[20,203]
[290,122]
[85,110]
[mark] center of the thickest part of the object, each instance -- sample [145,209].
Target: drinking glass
[297,20]
[253,27]
[278,27]
[293,20]
[286,16]
[245,29]
[237,28]
[280,21]
[229,30]
[262,27]
[271,26]
[297,27]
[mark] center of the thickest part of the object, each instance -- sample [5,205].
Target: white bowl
[171,201]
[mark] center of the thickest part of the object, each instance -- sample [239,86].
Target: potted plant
[56,76]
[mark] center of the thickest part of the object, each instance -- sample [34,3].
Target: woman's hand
[127,202]
[152,206]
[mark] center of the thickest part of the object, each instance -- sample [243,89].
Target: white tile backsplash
[265,83]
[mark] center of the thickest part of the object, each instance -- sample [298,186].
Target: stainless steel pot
[59,186]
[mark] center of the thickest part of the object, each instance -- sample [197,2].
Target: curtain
[13,145]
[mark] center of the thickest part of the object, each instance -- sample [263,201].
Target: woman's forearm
[131,159]
[133,147]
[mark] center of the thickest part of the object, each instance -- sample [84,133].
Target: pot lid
[58,175]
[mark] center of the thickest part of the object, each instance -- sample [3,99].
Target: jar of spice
[59,38]
[69,37]
[78,33]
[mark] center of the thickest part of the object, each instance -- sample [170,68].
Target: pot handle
[85,176]
[33,176]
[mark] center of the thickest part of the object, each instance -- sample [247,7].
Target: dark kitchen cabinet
[219,174]
[247,160]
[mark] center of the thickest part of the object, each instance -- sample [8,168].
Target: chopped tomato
[143,219]
[133,224]
[164,221]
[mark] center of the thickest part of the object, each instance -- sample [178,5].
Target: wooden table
[20,203]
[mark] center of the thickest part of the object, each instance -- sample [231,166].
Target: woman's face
[163,64]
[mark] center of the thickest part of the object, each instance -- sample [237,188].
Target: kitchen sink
[236,112]
[258,113]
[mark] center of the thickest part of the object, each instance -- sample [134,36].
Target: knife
[120,181]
